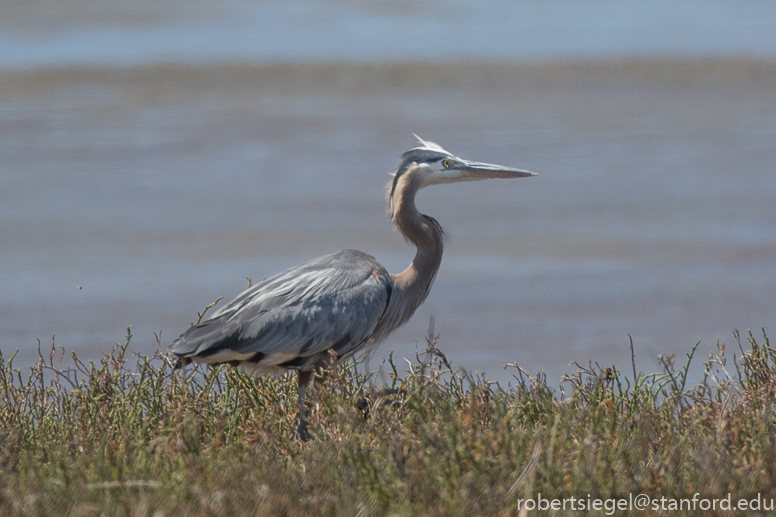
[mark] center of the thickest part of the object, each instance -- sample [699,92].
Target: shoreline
[726,71]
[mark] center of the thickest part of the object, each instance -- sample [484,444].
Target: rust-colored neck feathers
[412,285]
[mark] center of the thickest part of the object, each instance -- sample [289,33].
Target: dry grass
[136,438]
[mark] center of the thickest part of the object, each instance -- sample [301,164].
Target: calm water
[161,183]
[131,32]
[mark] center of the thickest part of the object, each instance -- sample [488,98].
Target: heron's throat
[413,225]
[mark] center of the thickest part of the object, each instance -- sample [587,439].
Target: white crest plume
[431,146]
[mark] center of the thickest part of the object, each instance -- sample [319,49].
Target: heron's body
[294,319]
[341,303]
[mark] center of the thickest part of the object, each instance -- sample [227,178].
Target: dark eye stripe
[415,156]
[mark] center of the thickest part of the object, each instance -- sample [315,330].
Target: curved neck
[412,285]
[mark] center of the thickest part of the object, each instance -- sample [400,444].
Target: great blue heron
[329,308]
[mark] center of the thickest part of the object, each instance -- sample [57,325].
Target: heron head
[430,164]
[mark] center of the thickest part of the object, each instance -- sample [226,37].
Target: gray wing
[329,303]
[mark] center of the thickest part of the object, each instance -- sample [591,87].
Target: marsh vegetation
[131,436]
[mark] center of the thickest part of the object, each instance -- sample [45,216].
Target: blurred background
[155,154]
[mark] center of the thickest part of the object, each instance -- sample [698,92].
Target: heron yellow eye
[446,163]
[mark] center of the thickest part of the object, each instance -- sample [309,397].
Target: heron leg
[300,422]
[323,367]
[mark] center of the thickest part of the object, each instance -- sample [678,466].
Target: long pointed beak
[477,170]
